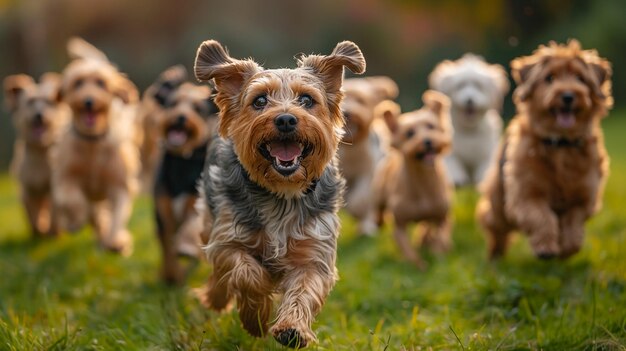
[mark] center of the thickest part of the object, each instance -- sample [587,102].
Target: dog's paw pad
[290,338]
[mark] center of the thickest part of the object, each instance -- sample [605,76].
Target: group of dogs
[254,166]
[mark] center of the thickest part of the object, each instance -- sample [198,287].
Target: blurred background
[403,39]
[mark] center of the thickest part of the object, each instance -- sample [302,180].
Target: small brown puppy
[552,163]
[39,117]
[272,189]
[97,160]
[411,183]
[188,121]
[152,103]
[364,143]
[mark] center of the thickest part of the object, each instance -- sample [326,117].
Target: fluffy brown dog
[552,164]
[188,121]
[39,117]
[411,183]
[272,188]
[97,161]
[152,103]
[364,143]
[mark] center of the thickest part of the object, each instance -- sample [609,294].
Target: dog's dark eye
[410,133]
[78,83]
[430,126]
[549,78]
[306,100]
[101,83]
[260,102]
[580,78]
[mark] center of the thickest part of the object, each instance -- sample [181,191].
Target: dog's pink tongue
[90,119]
[285,151]
[176,137]
[565,119]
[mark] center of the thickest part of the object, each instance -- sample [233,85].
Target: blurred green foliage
[403,39]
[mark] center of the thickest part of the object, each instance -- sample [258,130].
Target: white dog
[476,90]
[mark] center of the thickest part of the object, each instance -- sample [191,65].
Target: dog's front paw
[545,248]
[293,337]
[121,243]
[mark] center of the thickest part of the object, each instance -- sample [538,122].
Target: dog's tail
[78,48]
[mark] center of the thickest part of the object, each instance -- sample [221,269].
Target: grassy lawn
[67,294]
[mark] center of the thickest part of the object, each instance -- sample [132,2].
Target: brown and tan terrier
[365,142]
[40,118]
[97,160]
[552,164]
[187,123]
[411,183]
[150,109]
[272,189]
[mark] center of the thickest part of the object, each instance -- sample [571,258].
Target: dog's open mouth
[89,118]
[37,129]
[427,156]
[177,135]
[565,117]
[285,154]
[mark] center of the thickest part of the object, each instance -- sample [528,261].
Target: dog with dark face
[40,118]
[411,182]
[97,159]
[272,188]
[152,102]
[365,142]
[187,123]
[552,163]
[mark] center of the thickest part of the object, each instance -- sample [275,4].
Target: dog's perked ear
[437,102]
[330,68]
[14,87]
[213,62]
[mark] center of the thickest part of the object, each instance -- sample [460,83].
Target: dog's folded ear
[389,112]
[126,90]
[601,71]
[384,87]
[213,62]
[167,83]
[51,82]
[330,67]
[523,70]
[14,86]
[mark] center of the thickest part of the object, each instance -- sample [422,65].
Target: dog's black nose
[428,144]
[88,104]
[181,120]
[567,97]
[286,123]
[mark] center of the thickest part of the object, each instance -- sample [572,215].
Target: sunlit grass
[67,294]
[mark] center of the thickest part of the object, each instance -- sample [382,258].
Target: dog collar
[563,142]
[90,137]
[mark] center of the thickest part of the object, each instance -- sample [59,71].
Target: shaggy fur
[97,161]
[151,106]
[272,189]
[552,164]
[364,143]
[188,121]
[476,90]
[40,118]
[411,183]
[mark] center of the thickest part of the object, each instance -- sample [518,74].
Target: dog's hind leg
[496,227]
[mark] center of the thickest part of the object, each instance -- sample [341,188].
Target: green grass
[65,294]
